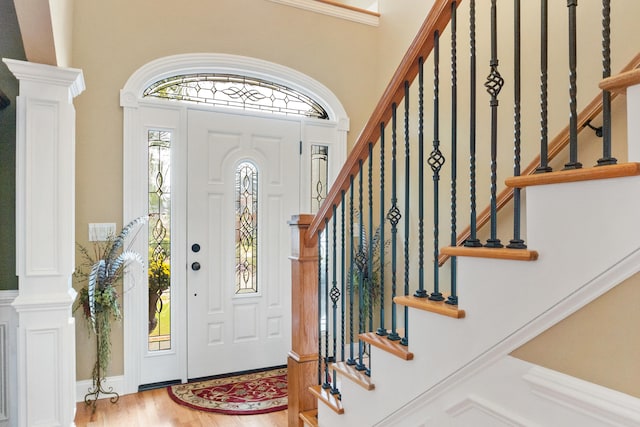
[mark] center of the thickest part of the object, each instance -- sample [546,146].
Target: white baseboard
[116,383]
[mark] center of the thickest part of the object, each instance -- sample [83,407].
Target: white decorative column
[45,242]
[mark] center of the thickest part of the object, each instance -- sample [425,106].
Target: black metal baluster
[407,207]
[370,277]
[436,160]
[516,242]
[320,358]
[382,330]
[352,279]
[453,297]
[325,236]
[544,88]
[361,262]
[343,250]
[473,240]
[394,217]
[606,95]
[421,292]
[335,295]
[494,85]
[573,163]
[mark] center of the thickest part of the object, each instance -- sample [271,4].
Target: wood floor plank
[155,408]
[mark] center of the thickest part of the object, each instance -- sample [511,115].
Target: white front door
[238,288]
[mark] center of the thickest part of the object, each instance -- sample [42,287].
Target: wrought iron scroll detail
[494,85]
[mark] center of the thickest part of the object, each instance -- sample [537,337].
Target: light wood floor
[155,408]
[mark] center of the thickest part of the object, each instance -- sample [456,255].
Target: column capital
[70,78]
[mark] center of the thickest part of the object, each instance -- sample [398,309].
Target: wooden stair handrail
[422,44]
[556,145]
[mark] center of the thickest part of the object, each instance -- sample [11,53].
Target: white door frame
[331,132]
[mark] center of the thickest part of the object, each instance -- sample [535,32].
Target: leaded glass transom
[246,228]
[236,91]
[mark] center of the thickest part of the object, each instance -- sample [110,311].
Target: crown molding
[361,16]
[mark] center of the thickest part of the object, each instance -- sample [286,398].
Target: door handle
[195,266]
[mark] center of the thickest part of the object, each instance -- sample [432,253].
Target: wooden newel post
[303,358]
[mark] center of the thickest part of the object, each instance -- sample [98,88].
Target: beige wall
[599,343]
[62,26]
[112,39]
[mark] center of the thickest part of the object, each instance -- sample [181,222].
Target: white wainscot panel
[43,375]
[478,412]
[42,206]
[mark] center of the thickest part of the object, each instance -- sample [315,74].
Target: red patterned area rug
[246,394]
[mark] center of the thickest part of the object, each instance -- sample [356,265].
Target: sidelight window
[159,266]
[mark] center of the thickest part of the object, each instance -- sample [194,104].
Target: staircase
[450,353]
[450,363]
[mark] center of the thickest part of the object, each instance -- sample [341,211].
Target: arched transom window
[237,91]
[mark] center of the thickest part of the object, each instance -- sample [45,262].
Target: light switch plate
[100,231]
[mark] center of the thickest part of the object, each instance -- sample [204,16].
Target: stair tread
[496,253]
[309,418]
[325,396]
[350,372]
[425,304]
[575,175]
[383,343]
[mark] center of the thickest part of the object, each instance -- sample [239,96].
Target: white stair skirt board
[115,383]
[588,242]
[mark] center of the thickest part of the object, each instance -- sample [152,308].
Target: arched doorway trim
[169,66]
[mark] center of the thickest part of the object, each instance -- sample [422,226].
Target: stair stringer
[588,240]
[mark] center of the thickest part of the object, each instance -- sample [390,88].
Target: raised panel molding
[487,410]
[4,362]
[610,406]
[8,392]
[43,380]
[42,256]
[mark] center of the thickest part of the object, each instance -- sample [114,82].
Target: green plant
[159,276]
[366,274]
[159,281]
[101,269]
